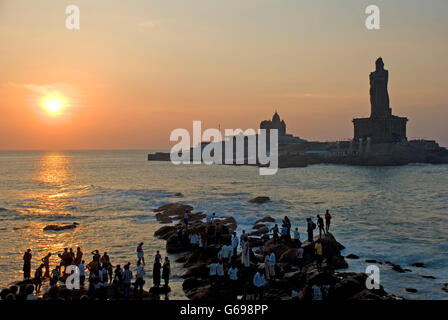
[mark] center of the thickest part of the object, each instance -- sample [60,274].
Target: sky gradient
[138,69]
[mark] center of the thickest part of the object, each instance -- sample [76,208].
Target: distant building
[382,126]
[275,123]
[280,125]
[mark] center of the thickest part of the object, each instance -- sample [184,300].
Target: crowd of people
[222,270]
[102,275]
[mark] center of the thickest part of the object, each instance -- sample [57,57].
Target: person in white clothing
[271,265]
[317,293]
[220,271]
[259,282]
[266,266]
[213,272]
[235,242]
[245,256]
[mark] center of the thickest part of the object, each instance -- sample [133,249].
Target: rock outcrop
[60,227]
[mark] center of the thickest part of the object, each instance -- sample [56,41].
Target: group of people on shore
[101,274]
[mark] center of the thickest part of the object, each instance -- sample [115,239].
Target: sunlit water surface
[385,213]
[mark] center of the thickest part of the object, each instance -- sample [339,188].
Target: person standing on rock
[259,282]
[235,242]
[318,254]
[220,271]
[127,278]
[287,223]
[310,226]
[233,275]
[320,224]
[245,256]
[27,264]
[79,255]
[140,253]
[156,273]
[186,219]
[266,266]
[180,236]
[317,292]
[297,237]
[166,271]
[275,233]
[82,272]
[271,265]
[300,252]
[243,239]
[139,282]
[38,278]
[213,273]
[327,221]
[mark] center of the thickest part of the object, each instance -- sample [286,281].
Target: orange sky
[136,70]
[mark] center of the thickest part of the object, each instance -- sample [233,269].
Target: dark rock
[429,277]
[56,227]
[159,290]
[259,200]
[199,270]
[265,219]
[255,242]
[445,287]
[165,232]
[192,283]
[418,265]
[347,288]
[398,268]
[411,290]
[171,211]
[178,194]
[352,256]
[289,255]
[258,226]
[259,232]
[371,261]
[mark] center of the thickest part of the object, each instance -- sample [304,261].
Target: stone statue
[379,97]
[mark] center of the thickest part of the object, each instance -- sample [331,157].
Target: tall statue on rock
[379,97]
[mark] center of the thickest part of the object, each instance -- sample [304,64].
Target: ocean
[397,214]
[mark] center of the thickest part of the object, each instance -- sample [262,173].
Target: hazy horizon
[137,70]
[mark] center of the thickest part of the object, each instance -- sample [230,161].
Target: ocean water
[397,214]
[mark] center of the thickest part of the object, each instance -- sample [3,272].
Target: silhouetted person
[327,221]
[46,263]
[166,271]
[275,233]
[156,273]
[310,226]
[320,224]
[140,254]
[127,278]
[139,282]
[27,264]
[38,278]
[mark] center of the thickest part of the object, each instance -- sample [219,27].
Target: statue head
[379,64]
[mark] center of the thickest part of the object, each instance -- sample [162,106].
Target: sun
[53,103]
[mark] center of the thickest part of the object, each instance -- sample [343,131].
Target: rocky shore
[197,284]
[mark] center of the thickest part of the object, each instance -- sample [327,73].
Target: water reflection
[54,169]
